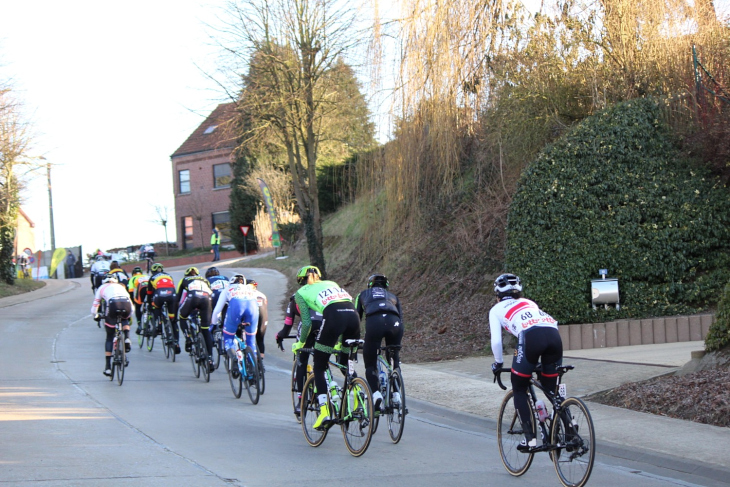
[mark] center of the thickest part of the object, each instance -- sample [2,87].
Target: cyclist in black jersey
[194,294]
[382,312]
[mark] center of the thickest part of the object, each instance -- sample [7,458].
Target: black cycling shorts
[538,344]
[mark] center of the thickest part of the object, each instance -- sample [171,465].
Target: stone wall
[636,332]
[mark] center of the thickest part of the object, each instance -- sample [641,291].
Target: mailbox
[604,291]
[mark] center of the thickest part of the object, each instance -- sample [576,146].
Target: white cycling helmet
[111,278]
[238,277]
[507,285]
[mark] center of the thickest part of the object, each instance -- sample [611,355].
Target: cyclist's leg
[393,336]
[204,310]
[260,332]
[527,355]
[230,325]
[186,307]
[329,333]
[108,347]
[552,356]
[374,331]
[251,316]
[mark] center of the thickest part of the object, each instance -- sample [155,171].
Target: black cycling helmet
[252,282]
[156,267]
[137,270]
[378,280]
[508,285]
[212,271]
[304,272]
[192,271]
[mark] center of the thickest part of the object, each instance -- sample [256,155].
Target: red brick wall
[203,198]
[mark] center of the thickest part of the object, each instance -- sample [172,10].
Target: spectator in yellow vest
[215,242]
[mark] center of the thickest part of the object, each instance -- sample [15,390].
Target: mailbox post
[604,291]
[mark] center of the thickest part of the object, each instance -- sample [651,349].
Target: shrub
[719,335]
[615,193]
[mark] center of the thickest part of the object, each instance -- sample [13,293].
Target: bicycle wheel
[573,430]
[310,411]
[261,370]
[252,376]
[121,356]
[294,392]
[150,329]
[217,350]
[357,413]
[140,337]
[509,435]
[165,338]
[203,360]
[171,339]
[396,406]
[236,383]
[194,357]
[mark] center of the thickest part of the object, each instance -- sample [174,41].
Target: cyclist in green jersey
[339,318]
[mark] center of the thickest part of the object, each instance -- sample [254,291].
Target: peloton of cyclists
[193,294]
[117,301]
[538,341]
[339,318]
[382,312]
[161,289]
[242,308]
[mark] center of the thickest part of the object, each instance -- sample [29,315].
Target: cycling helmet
[192,271]
[252,282]
[137,270]
[302,275]
[99,258]
[156,267]
[378,280]
[238,278]
[111,278]
[507,285]
[212,271]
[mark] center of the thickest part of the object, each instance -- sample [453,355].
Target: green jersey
[317,296]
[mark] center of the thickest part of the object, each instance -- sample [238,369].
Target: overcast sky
[111,89]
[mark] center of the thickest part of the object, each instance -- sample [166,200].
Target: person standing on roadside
[215,243]
[382,320]
[71,263]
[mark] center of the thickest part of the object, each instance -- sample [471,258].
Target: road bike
[295,392]
[243,370]
[393,391]
[150,325]
[262,371]
[350,406]
[198,351]
[119,351]
[567,432]
[143,324]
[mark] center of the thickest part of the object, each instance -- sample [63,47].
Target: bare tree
[15,162]
[290,49]
[162,219]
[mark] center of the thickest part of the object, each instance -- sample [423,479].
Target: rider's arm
[97,301]
[358,305]
[222,300]
[495,330]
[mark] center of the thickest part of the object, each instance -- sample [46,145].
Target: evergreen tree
[245,200]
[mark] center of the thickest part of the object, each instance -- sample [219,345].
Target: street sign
[244,229]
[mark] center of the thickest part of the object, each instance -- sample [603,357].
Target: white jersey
[100,267]
[233,291]
[107,291]
[515,316]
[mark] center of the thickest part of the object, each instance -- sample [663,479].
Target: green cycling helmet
[156,267]
[304,271]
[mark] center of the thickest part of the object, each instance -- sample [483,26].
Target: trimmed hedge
[719,335]
[615,193]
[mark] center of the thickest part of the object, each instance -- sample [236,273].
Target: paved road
[63,423]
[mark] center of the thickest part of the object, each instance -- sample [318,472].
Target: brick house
[202,173]
[24,233]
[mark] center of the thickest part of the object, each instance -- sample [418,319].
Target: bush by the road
[616,194]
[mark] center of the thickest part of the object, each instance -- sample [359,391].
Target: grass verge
[21,286]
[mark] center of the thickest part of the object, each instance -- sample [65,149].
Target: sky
[111,91]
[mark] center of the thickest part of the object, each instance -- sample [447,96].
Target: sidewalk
[466,386]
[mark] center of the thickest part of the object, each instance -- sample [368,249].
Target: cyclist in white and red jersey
[117,301]
[538,341]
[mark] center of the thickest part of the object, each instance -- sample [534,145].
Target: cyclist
[382,320]
[339,318]
[131,289]
[161,289]
[193,294]
[538,341]
[292,311]
[263,303]
[98,272]
[242,308]
[117,301]
[121,274]
[217,283]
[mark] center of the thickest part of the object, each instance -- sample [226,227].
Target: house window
[223,222]
[184,181]
[187,224]
[221,175]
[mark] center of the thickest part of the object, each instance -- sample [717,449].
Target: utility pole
[50,207]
